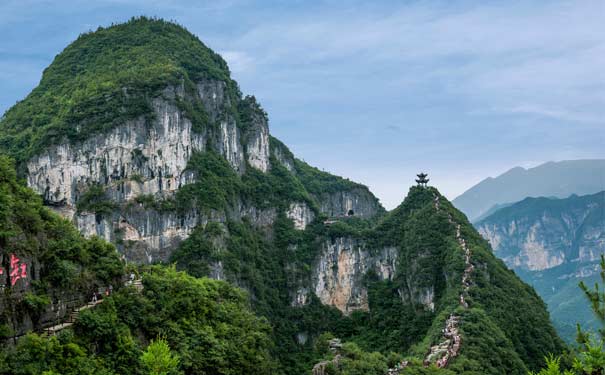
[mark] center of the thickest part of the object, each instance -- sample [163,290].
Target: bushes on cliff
[36,236]
[206,323]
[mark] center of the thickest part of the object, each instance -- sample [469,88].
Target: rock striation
[355,202]
[540,233]
[338,273]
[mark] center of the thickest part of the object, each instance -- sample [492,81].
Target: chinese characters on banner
[18,270]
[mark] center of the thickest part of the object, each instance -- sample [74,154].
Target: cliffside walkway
[70,318]
[73,316]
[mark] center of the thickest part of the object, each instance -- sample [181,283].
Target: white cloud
[238,62]
[494,54]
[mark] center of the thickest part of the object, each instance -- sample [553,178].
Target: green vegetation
[508,328]
[72,265]
[95,200]
[589,356]
[204,327]
[159,360]
[217,185]
[107,77]
[219,188]
[186,323]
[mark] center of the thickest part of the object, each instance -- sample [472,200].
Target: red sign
[17,270]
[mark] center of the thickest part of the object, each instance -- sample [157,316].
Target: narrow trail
[449,348]
[73,316]
[442,353]
[71,319]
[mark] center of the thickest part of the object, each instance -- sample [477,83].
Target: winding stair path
[442,353]
[449,348]
[73,315]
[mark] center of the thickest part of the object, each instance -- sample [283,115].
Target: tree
[158,359]
[553,367]
[590,359]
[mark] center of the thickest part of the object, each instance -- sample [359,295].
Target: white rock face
[301,297]
[148,157]
[287,162]
[257,147]
[534,252]
[555,235]
[229,145]
[301,214]
[355,202]
[338,275]
[142,159]
[427,298]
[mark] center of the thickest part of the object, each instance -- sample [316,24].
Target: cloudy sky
[377,90]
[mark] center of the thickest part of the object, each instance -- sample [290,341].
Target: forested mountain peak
[106,77]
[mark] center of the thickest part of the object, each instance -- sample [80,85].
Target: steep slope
[129,120]
[171,163]
[553,244]
[552,179]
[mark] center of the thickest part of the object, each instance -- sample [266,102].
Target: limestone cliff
[553,244]
[338,274]
[146,158]
[540,233]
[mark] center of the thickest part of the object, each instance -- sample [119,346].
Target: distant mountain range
[552,179]
[553,244]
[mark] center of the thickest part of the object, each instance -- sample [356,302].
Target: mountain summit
[553,179]
[138,135]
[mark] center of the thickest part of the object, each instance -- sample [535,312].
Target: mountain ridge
[557,179]
[197,180]
[553,244]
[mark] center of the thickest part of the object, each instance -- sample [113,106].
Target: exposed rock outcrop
[140,157]
[539,233]
[355,202]
[338,274]
[149,157]
[301,214]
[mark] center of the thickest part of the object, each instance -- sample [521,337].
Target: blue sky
[377,90]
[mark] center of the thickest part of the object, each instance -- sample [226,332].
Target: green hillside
[105,78]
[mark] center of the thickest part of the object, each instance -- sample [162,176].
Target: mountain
[552,179]
[48,273]
[553,244]
[46,266]
[138,135]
